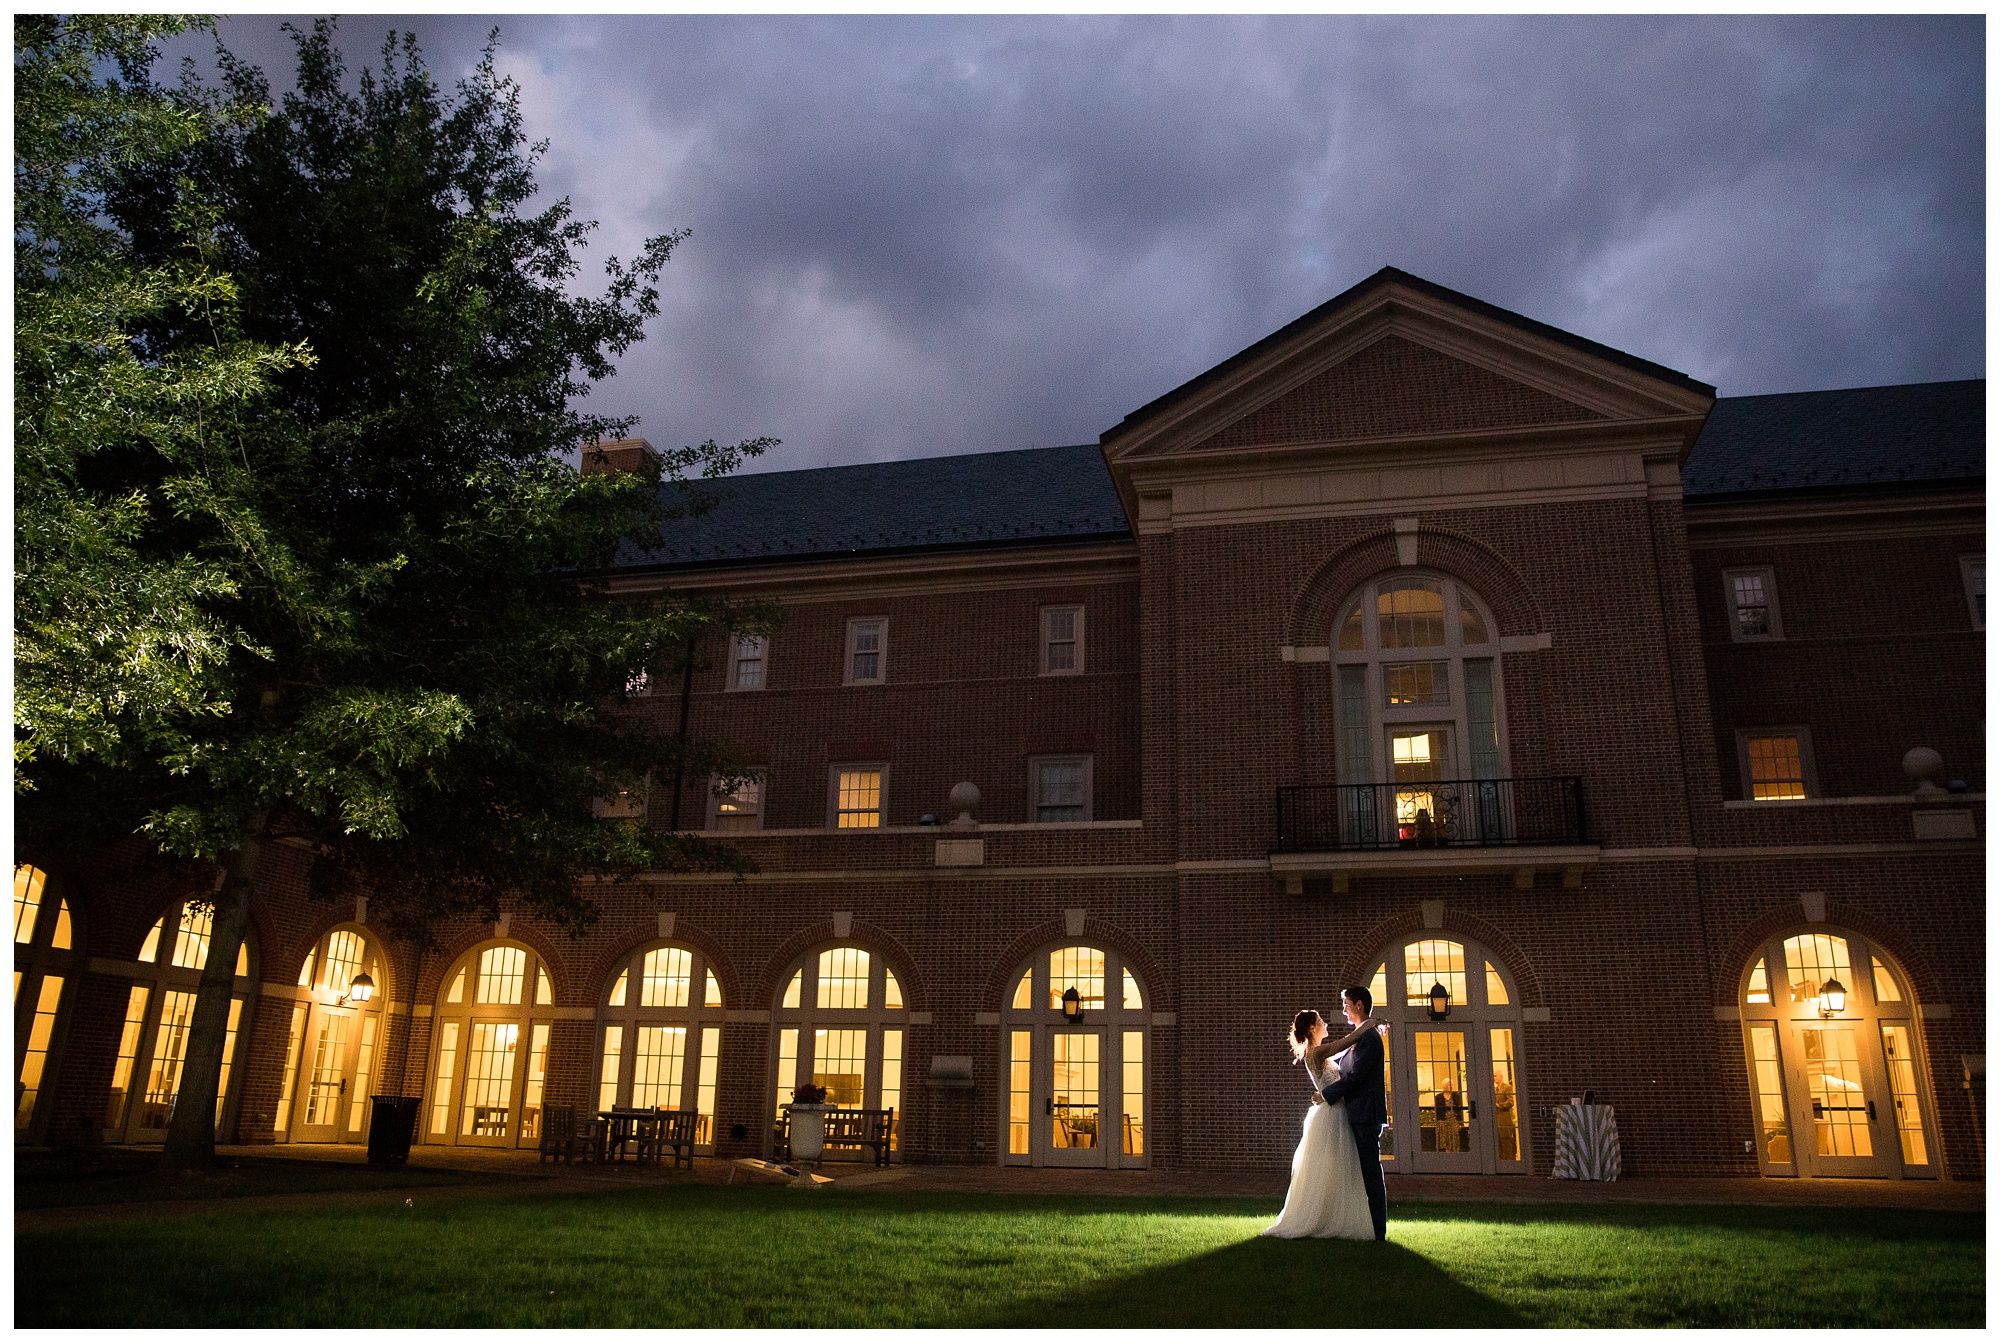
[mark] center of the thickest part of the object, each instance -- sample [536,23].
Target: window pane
[128,1053]
[329,1056]
[1018,1074]
[843,978]
[169,1049]
[1410,613]
[441,1092]
[149,950]
[704,1090]
[840,1063]
[659,1061]
[538,1076]
[1752,604]
[28,883]
[713,994]
[892,992]
[1506,1119]
[1407,683]
[614,1049]
[545,992]
[191,942]
[1059,791]
[738,808]
[343,961]
[1496,990]
[1430,962]
[1765,1077]
[40,1031]
[892,1084]
[1134,1065]
[1776,771]
[618,989]
[1132,1002]
[859,804]
[788,1067]
[1482,721]
[750,662]
[1833,1081]
[792,990]
[1079,968]
[1760,986]
[1471,626]
[1903,1088]
[60,938]
[1355,765]
[489,1076]
[1024,992]
[358,1106]
[665,977]
[501,970]
[1814,958]
[1350,630]
[1885,983]
[457,994]
[293,1044]
[1378,987]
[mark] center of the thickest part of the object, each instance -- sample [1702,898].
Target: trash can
[390,1125]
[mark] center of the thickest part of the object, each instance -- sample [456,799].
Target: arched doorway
[159,1010]
[497,1004]
[1454,1081]
[1833,1044]
[840,1023]
[45,966]
[660,1035]
[336,1035]
[1075,1068]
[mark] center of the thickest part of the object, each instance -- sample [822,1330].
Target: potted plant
[808,1111]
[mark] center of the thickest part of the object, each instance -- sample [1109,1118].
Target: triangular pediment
[1397,358]
[1396,386]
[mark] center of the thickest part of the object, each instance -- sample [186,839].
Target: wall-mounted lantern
[1440,1002]
[360,989]
[1072,1006]
[1832,998]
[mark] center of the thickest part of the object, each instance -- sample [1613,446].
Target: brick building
[1420,645]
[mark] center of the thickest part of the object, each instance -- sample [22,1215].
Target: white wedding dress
[1327,1199]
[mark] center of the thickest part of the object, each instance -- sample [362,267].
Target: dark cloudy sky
[915,236]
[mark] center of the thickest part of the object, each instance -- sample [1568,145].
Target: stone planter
[808,1131]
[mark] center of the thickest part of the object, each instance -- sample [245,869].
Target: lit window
[1496,988]
[665,976]
[1060,788]
[28,882]
[857,797]
[738,807]
[746,664]
[1417,683]
[1760,984]
[867,647]
[490,1070]
[1973,569]
[1775,764]
[1076,1093]
[843,978]
[1062,640]
[661,1048]
[501,970]
[1885,983]
[840,1025]
[1752,595]
[1079,968]
[1430,962]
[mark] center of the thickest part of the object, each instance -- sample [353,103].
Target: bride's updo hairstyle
[1302,1027]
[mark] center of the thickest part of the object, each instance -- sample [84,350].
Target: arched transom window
[660,1035]
[1417,684]
[491,1056]
[45,966]
[159,1010]
[1833,1045]
[1453,1056]
[1077,1022]
[333,1046]
[840,1023]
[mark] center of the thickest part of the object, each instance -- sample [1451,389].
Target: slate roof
[1030,496]
[1859,437]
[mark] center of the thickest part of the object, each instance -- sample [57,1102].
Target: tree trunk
[191,1132]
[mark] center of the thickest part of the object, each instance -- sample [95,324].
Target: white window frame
[743,646]
[881,651]
[1048,613]
[1776,617]
[715,796]
[1035,763]
[833,773]
[1975,592]
[1806,764]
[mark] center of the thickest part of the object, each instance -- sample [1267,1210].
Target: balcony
[1440,826]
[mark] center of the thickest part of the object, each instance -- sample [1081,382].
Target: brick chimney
[623,454]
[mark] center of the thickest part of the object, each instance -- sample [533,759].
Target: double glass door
[1452,1098]
[1077,1096]
[334,1074]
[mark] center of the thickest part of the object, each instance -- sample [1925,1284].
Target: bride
[1327,1198]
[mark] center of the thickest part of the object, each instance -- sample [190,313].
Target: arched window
[1417,700]
[1833,1044]
[660,1035]
[46,961]
[1075,1065]
[495,1004]
[159,1010]
[1454,1079]
[333,1047]
[840,1023]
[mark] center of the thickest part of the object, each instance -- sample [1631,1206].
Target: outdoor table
[1586,1143]
[618,1128]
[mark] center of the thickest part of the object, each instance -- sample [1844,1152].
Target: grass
[702,1255]
[122,1177]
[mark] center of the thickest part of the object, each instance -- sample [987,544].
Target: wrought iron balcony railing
[1434,814]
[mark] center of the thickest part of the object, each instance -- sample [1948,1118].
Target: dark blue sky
[915,236]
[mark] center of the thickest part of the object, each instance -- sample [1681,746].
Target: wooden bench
[675,1132]
[855,1130]
[560,1139]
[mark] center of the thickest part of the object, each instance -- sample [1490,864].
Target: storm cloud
[918,236]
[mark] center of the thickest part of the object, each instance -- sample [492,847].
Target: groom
[1360,1085]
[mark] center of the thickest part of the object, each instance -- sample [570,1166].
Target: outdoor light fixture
[1072,1006]
[360,989]
[1440,1002]
[1832,998]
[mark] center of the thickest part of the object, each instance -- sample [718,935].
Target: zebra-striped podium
[1586,1143]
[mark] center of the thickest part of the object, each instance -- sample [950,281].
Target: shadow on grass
[1264,1283]
[46,1180]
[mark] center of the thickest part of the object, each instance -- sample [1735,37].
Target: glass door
[322,1099]
[1447,1115]
[1072,1120]
[1839,1098]
[1425,816]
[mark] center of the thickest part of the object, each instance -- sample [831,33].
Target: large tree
[411,660]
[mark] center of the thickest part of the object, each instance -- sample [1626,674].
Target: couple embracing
[1337,1170]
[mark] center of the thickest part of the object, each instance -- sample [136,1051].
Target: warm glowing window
[501,970]
[792,989]
[1496,988]
[493,1035]
[1417,683]
[1416,696]
[1024,995]
[1133,1002]
[712,995]
[343,960]
[1410,613]
[658,1047]
[1813,958]
[28,883]
[665,978]
[857,798]
[843,978]
[739,806]
[191,942]
[1076,1081]
[1079,968]
[1431,962]
[1885,983]
[892,992]
[1777,766]
[1760,985]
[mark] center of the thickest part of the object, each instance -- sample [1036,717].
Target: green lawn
[127,1177]
[703,1255]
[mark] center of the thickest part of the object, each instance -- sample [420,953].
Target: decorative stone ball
[1920,763]
[965,796]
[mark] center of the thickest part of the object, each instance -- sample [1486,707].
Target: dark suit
[1360,1085]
